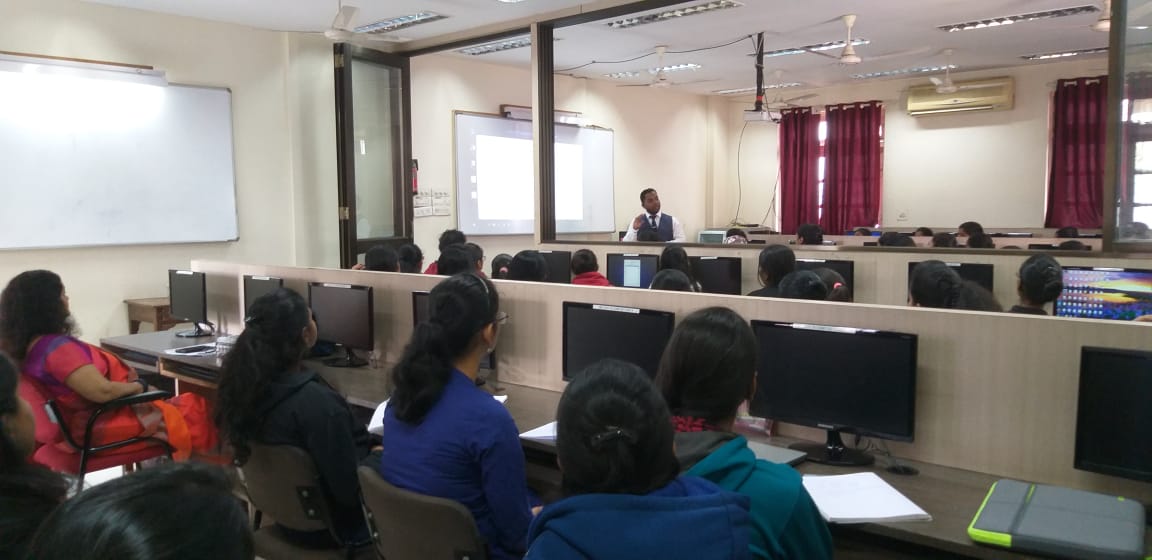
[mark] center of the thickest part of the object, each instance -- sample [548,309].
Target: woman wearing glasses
[443,436]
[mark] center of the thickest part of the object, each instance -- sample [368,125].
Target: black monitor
[846,269]
[978,273]
[420,314]
[559,266]
[1113,419]
[858,381]
[1042,247]
[594,332]
[1121,294]
[718,275]
[188,301]
[344,316]
[256,286]
[631,270]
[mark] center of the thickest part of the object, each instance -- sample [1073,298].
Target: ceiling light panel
[833,45]
[497,46]
[664,69]
[917,70]
[1065,54]
[751,89]
[401,22]
[1009,20]
[693,10]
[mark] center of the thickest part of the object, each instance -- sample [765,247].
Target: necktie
[653,218]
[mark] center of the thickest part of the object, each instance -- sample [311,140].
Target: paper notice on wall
[422,200]
[441,203]
[422,212]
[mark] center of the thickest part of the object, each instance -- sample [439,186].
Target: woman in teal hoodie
[625,496]
[707,370]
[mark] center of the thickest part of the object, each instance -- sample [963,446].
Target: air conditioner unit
[990,94]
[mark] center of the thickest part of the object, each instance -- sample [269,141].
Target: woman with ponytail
[934,284]
[267,395]
[443,436]
[1041,282]
[625,497]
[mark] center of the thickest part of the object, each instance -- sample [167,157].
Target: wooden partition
[996,393]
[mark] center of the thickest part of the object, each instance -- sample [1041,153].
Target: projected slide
[504,178]
[569,182]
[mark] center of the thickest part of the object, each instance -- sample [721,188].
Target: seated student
[444,437]
[267,395]
[449,237]
[672,280]
[500,265]
[36,328]
[585,269]
[735,236]
[380,258]
[895,239]
[1072,245]
[528,265]
[809,234]
[1068,232]
[477,256]
[776,262]
[28,492]
[455,259]
[648,236]
[675,258]
[862,232]
[968,229]
[934,284]
[838,288]
[923,232]
[1041,282]
[803,284]
[708,369]
[167,512]
[944,239]
[980,241]
[411,258]
[624,496]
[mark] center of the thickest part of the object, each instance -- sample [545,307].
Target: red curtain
[852,170]
[1076,176]
[799,153]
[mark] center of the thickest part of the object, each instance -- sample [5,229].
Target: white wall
[939,170]
[254,65]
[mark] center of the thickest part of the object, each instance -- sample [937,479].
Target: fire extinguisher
[415,174]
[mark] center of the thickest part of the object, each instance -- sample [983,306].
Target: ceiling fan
[342,30]
[1104,23]
[945,85]
[848,55]
[661,79]
[779,102]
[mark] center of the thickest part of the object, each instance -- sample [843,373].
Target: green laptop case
[1059,522]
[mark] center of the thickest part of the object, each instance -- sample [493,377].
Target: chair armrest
[148,396]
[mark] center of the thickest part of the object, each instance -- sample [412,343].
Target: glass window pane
[822,131]
[1142,192]
[1143,157]
[375,106]
[820,169]
[1142,214]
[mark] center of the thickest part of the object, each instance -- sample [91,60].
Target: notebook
[547,432]
[861,498]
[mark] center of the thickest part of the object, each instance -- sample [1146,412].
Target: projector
[762,116]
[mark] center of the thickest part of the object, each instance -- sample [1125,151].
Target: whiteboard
[100,162]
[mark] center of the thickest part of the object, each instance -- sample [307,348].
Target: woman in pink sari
[36,330]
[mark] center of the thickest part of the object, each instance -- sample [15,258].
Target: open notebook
[376,424]
[861,498]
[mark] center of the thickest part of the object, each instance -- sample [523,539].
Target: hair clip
[250,320]
[611,434]
[837,286]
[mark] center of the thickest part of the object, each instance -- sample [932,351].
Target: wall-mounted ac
[989,94]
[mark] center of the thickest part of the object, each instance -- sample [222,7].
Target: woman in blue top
[445,437]
[626,499]
[707,370]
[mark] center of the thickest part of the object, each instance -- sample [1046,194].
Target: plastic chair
[410,526]
[89,457]
[282,481]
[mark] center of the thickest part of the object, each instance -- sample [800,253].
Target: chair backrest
[282,481]
[410,526]
[46,430]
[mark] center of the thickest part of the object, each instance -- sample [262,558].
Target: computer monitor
[344,316]
[845,268]
[420,314]
[593,332]
[1042,247]
[256,286]
[1113,419]
[559,266]
[711,236]
[631,270]
[858,381]
[978,273]
[1120,294]
[188,301]
[718,275]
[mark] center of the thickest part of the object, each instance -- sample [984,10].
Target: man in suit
[666,227]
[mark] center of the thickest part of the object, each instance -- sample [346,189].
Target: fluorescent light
[832,45]
[751,89]
[78,69]
[511,1]
[664,69]
[917,70]
[1065,54]
[400,22]
[695,9]
[1009,20]
[497,46]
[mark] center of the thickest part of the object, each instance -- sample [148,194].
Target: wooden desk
[150,310]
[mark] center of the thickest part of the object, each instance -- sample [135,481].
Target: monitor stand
[833,452]
[349,359]
[195,333]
